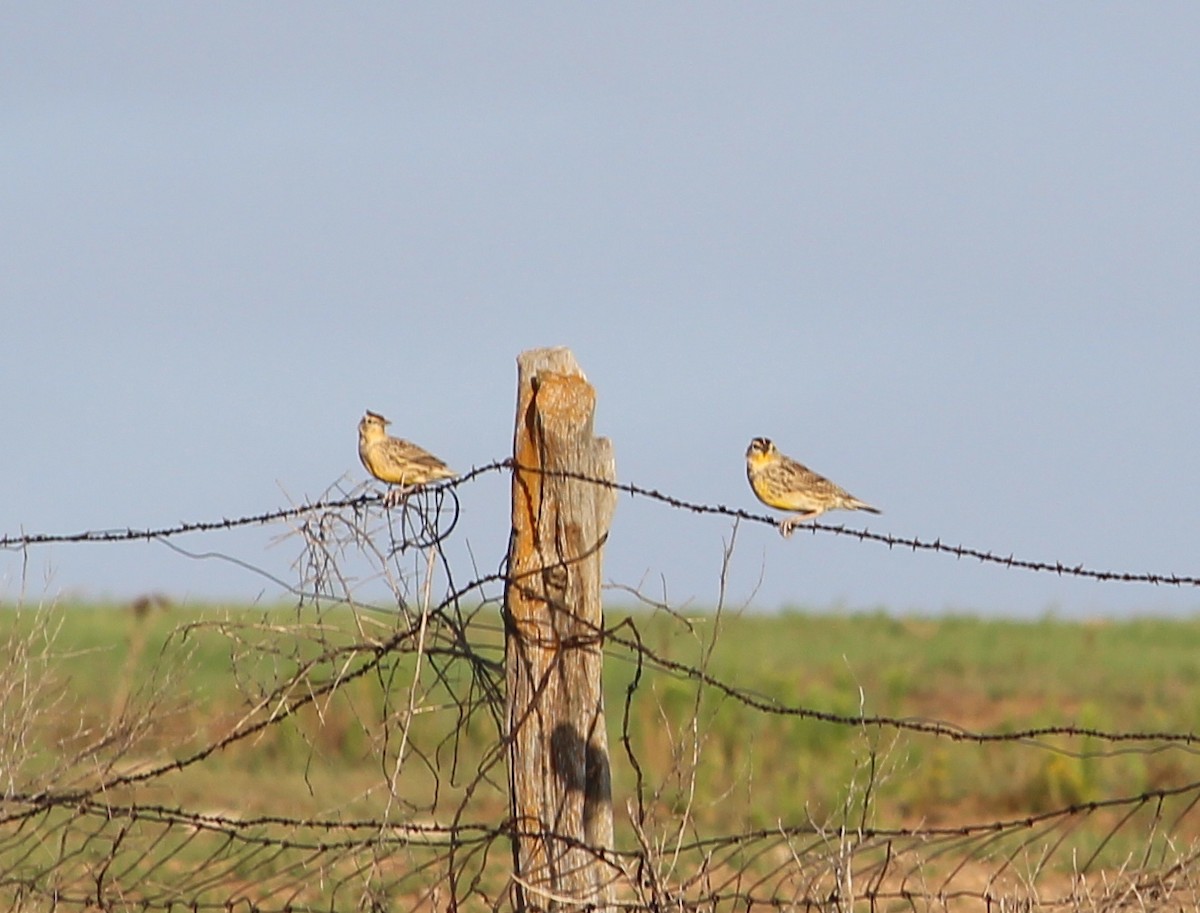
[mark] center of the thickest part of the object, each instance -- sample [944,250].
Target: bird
[396,461]
[780,482]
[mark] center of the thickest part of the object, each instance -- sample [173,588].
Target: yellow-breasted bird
[396,461]
[782,483]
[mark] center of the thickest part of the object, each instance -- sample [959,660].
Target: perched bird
[781,482]
[397,462]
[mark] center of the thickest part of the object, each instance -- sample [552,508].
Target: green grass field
[977,674]
[103,690]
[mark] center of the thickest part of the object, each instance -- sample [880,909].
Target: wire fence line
[334,757]
[18,541]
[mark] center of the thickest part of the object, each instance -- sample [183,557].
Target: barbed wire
[402,833]
[906,542]
[940,728]
[129,534]
[912,543]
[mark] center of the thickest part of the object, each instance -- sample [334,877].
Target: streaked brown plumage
[782,483]
[396,461]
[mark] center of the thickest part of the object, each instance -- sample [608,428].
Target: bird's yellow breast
[376,460]
[756,460]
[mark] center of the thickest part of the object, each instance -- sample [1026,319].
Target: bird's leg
[398,494]
[790,523]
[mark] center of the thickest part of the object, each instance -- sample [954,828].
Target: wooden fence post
[559,777]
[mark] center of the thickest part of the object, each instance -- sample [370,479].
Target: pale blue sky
[946,254]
